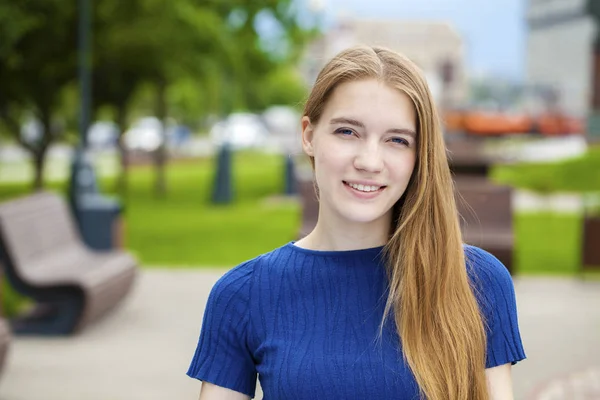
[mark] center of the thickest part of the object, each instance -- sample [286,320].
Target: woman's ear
[307,136]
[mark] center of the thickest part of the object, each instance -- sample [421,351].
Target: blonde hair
[430,296]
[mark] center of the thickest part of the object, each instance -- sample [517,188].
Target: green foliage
[200,58]
[283,86]
[208,54]
[36,64]
[11,302]
[577,175]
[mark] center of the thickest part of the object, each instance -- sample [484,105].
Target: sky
[494,31]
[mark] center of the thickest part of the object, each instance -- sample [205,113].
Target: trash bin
[99,220]
[98,217]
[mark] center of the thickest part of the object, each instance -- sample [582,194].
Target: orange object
[558,124]
[454,121]
[496,123]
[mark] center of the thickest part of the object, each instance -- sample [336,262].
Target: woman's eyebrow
[344,120]
[351,121]
[408,132]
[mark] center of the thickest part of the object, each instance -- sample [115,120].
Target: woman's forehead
[370,102]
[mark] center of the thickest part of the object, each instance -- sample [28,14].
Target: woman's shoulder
[494,289]
[484,266]
[241,276]
[490,279]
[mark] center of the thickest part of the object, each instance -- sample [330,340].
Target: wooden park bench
[591,243]
[45,259]
[485,208]
[4,334]
[485,211]
[310,205]
[4,341]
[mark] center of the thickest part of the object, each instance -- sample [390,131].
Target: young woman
[382,300]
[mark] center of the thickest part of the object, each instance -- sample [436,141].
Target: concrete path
[142,350]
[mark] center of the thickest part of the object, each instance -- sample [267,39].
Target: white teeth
[364,188]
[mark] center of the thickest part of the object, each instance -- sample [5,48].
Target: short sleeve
[223,356]
[495,293]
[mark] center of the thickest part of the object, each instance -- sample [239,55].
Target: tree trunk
[122,178]
[160,155]
[40,150]
[39,158]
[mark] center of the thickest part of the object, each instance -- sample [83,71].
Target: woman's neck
[346,235]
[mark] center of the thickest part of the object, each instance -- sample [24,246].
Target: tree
[118,66]
[160,42]
[214,44]
[36,63]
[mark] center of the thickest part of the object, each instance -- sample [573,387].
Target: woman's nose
[368,158]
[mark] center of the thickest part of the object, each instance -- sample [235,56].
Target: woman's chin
[365,216]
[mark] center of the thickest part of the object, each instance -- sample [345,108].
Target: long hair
[430,296]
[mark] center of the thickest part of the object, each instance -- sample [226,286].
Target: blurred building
[435,47]
[560,51]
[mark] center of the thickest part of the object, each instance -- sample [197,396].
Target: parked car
[103,135]
[284,124]
[144,135]
[240,131]
[32,131]
[282,120]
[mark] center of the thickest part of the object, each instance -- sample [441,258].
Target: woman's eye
[400,140]
[344,131]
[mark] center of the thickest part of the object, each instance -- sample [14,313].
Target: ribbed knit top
[307,322]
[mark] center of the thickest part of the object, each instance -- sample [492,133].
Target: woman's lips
[364,194]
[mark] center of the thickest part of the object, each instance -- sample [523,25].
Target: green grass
[185,229]
[547,243]
[576,175]
[11,301]
[550,243]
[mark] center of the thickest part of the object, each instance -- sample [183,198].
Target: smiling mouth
[364,188]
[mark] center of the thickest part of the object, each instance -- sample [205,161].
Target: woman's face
[364,149]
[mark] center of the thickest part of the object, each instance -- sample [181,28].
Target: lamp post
[97,216]
[85,60]
[83,179]
[223,182]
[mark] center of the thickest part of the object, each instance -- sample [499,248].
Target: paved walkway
[143,349]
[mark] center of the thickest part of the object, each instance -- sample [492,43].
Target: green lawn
[575,175]
[185,230]
[547,243]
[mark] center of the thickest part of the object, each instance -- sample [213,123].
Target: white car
[240,131]
[144,135]
[103,135]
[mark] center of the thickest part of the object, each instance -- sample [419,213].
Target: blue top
[307,322]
